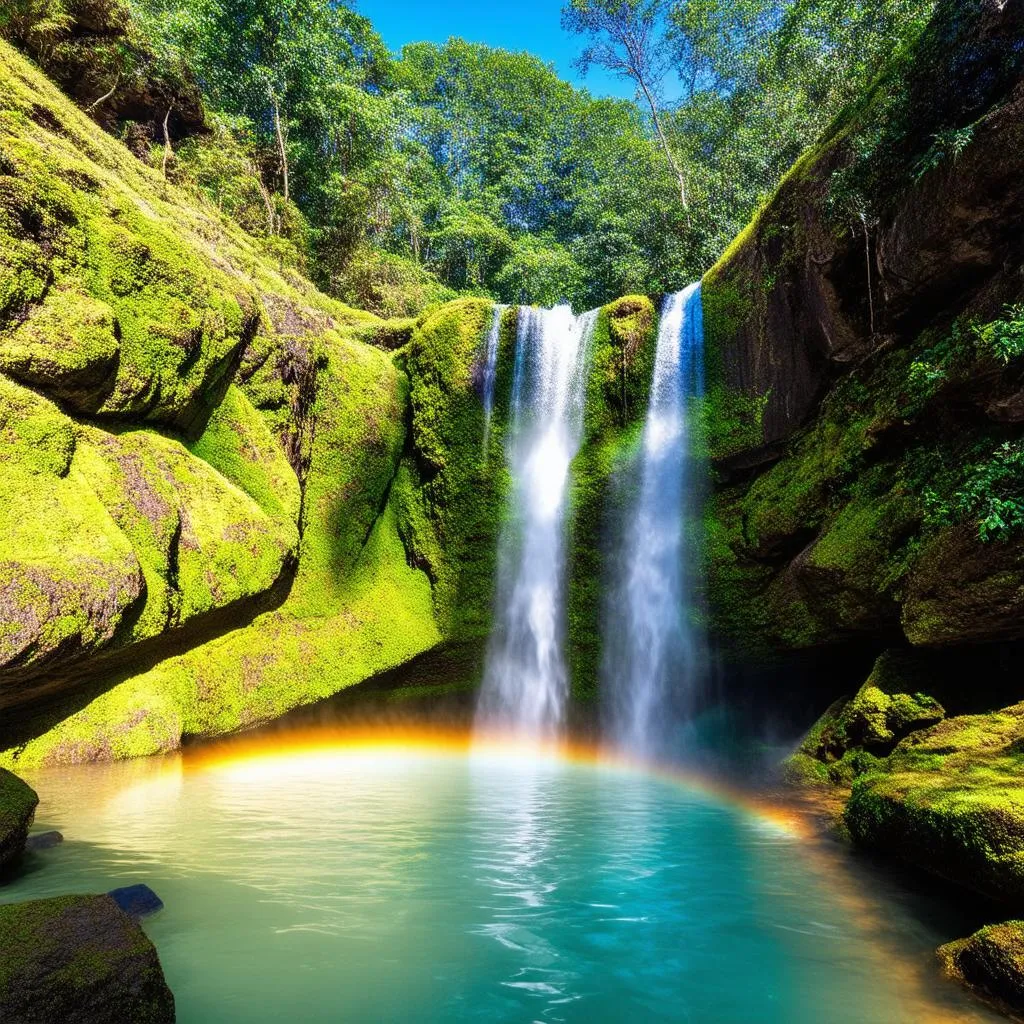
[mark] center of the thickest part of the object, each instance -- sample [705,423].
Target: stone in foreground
[991,962]
[79,960]
[17,808]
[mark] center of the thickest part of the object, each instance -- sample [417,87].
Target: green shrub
[992,494]
[1003,338]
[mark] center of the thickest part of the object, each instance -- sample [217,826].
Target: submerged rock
[79,960]
[17,808]
[991,961]
[137,900]
[44,840]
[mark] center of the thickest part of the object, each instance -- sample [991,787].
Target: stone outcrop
[79,959]
[864,341]
[991,961]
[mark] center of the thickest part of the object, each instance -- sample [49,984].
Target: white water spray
[491,372]
[652,653]
[525,680]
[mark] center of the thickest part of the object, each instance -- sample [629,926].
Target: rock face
[865,340]
[198,528]
[18,803]
[991,961]
[79,959]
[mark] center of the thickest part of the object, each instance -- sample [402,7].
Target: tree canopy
[398,180]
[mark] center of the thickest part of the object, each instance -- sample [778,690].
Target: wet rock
[79,960]
[137,900]
[17,808]
[991,962]
[44,840]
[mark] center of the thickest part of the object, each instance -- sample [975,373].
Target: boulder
[79,960]
[991,962]
[17,808]
[44,840]
[854,733]
[950,800]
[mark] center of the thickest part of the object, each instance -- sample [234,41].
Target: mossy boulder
[79,959]
[358,604]
[950,800]
[854,733]
[67,345]
[991,962]
[18,803]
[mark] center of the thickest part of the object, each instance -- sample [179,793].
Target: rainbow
[315,749]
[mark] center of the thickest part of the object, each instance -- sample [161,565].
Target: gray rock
[137,900]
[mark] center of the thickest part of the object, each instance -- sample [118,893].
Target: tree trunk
[673,164]
[105,96]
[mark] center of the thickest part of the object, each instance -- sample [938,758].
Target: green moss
[452,493]
[67,344]
[237,443]
[18,803]
[991,961]
[68,576]
[848,739]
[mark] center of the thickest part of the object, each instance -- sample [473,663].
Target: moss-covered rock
[79,959]
[950,799]
[991,962]
[18,803]
[854,733]
[450,493]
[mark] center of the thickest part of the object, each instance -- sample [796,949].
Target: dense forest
[401,180]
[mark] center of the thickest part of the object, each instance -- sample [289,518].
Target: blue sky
[522,25]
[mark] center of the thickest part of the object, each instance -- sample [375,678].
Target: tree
[627,41]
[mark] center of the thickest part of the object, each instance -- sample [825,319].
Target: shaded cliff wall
[864,339]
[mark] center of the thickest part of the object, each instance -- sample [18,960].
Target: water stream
[525,681]
[653,654]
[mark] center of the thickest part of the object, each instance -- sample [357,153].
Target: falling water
[525,680]
[491,372]
[652,654]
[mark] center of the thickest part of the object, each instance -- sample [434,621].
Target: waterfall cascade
[525,679]
[652,653]
[491,372]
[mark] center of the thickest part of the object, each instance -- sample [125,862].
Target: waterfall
[652,652]
[525,678]
[491,372]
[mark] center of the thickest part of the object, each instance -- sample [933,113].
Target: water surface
[430,886]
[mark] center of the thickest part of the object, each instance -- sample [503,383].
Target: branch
[105,96]
[168,152]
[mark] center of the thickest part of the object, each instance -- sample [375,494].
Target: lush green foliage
[459,168]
